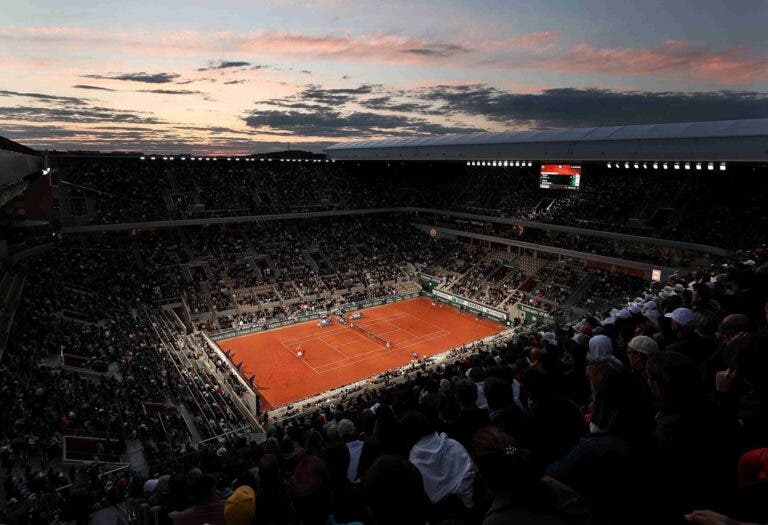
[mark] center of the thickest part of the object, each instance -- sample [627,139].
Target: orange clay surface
[337,355]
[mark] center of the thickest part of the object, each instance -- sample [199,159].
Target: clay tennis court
[337,355]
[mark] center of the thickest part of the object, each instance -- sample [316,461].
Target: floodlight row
[236,159]
[501,163]
[710,166]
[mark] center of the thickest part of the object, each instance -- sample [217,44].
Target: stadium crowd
[653,408]
[686,205]
[571,426]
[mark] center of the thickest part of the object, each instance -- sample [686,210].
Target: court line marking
[333,347]
[302,360]
[345,364]
[405,344]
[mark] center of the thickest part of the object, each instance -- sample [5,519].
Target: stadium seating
[107,360]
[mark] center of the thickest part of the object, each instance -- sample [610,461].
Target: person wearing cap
[638,350]
[687,341]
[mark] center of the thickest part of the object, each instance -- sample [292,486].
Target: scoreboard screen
[560,176]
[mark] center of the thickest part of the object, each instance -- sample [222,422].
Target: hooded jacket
[445,467]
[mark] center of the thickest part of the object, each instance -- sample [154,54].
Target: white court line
[352,360]
[371,357]
[307,337]
[334,347]
[302,360]
[405,344]
[402,329]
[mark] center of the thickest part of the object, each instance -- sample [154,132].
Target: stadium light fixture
[711,166]
[506,163]
[722,166]
[165,158]
[530,164]
[655,165]
[142,158]
[687,165]
[665,166]
[677,165]
[609,165]
[698,166]
[645,166]
[637,166]
[151,158]
[626,165]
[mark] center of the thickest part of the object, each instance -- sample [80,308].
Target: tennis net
[370,335]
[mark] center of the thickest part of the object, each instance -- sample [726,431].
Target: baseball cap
[240,506]
[643,344]
[683,316]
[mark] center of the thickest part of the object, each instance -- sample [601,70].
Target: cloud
[42,96]
[148,78]
[225,64]
[171,91]
[376,48]
[85,86]
[230,82]
[325,122]
[569,107]
[322,95]
[438,50]
[84,114]
[730,66]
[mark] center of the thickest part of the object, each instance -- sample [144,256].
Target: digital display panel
[560,177]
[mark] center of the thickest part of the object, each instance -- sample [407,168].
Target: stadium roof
[724,140]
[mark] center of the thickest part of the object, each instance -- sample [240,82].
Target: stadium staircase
[11,288]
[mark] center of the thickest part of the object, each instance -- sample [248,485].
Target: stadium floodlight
[609,165]
[722,166]
[229,158]
[142,158]
[637,166]
[626,165]
[151,158]
[165,158]
[711,166]
[687,165]
[698,166]
[655,165]
[530,164]
[645,166]
[665,166]
[506,163]
[677,165]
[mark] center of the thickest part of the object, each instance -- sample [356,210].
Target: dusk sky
[249,76]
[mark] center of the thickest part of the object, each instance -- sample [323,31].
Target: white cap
[608,320]
[601,350]
[549,337]
[683,316]
[150,485]
[624,314]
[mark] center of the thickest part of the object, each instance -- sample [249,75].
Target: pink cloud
[673,57]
